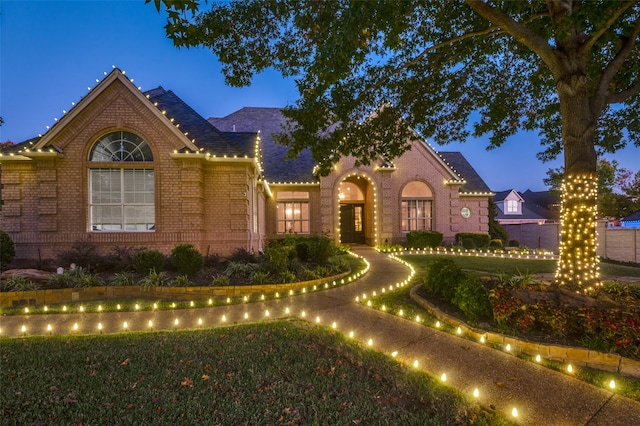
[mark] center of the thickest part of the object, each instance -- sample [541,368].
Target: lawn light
[277,294]
[303,314]
[514,412]
[351,334]
[246,315]
[176,322]
[211,301]
[224,318]
[173,305]
[150,324]
[46,309]
[228,300]
[118,306]
[100,327]
[137,307]
[476,393]
[538,358]
[368,302]
[417,318]
[290,292]
[24,329]
[508,348]
[125,325]
[155,306]
[191,304]
[266,313]
[81,308]
[370,342]
[304,290]
[26,310]
[99,308]
[199,321]
[286,311]
[415,364]
[49,328]
[394,354]
[443,377]
[334,325]
[482,339]
[384,308]
[612,384]
[64,308]
[570,368]
[357,299]
[318,320]
[401,313]
[459,330]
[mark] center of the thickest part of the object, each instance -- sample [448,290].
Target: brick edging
[569,354]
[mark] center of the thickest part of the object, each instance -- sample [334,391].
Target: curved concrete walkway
[541,396]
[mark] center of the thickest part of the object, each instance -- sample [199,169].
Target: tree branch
[518,31]
[601,96]
[616,98]
[595,36]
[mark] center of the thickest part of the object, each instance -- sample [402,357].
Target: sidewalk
[541,396]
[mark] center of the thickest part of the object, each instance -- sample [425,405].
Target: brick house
[125,168]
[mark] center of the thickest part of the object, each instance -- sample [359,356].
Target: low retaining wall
[17,299]
[568,354]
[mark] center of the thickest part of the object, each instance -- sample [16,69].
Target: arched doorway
[353,212]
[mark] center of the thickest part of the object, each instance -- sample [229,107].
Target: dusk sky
[52,51]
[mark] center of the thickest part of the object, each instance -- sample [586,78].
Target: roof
[201,131]
[459,163]
[270,121]
[541,205]
[631,218]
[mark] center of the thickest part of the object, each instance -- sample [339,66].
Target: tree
[615,193]
[568,68]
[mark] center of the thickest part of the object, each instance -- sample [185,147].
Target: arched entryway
[355,195]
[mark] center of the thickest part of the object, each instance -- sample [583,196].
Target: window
[417,207]
[121,198]
[512,206]
[292,212]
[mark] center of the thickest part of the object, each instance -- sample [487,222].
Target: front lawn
[287,372]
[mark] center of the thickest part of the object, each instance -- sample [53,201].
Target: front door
[352,223]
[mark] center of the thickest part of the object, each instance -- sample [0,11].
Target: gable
[111,104]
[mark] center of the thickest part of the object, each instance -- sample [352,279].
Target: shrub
[495,244]
[74,278]
[242,255]
[423,239]
[181,281]
[471,240]
[7,249]
[19,283]
[302,249]
[472,298]
[187,259]
[219,280]
[259,277]
[277,258]
[155,279]
[514,243]
[145,261]
[321,248]
[122,279]
[309,275]
[442,277]
[287,277]
[81,253]
[239,269]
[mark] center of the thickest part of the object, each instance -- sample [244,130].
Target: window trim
[290,200]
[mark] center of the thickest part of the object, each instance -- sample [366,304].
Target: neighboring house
[632,221]
[526,207]
[125,168]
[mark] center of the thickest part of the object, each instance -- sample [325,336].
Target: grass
[286,372]
[494,265]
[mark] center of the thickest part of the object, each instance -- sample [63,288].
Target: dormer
[509,202]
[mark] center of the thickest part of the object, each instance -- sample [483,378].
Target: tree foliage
[569,69]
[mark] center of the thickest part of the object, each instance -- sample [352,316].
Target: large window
[417,207]
[292,212]
[122,188]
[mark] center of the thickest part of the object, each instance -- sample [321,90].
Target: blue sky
[52,51]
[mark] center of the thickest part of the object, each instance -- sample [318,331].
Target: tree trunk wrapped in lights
[578,264]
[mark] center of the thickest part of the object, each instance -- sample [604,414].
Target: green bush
[181,281]
[277,258]
[495,244]
[220,280]
[19,283]
[472,298]
[122,279]
[155,279]
[74,278]
[471,240]
[187,259]
[321,248]
[145,261]
[7,249]
[424,239]
[259,277]
[287,277]
[514,243]
[442,277]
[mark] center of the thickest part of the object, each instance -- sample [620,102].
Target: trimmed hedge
[187,259]
[472,240]
[148,260]
[423,239]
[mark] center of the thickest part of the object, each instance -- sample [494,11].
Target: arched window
[417,207]
[122,188]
